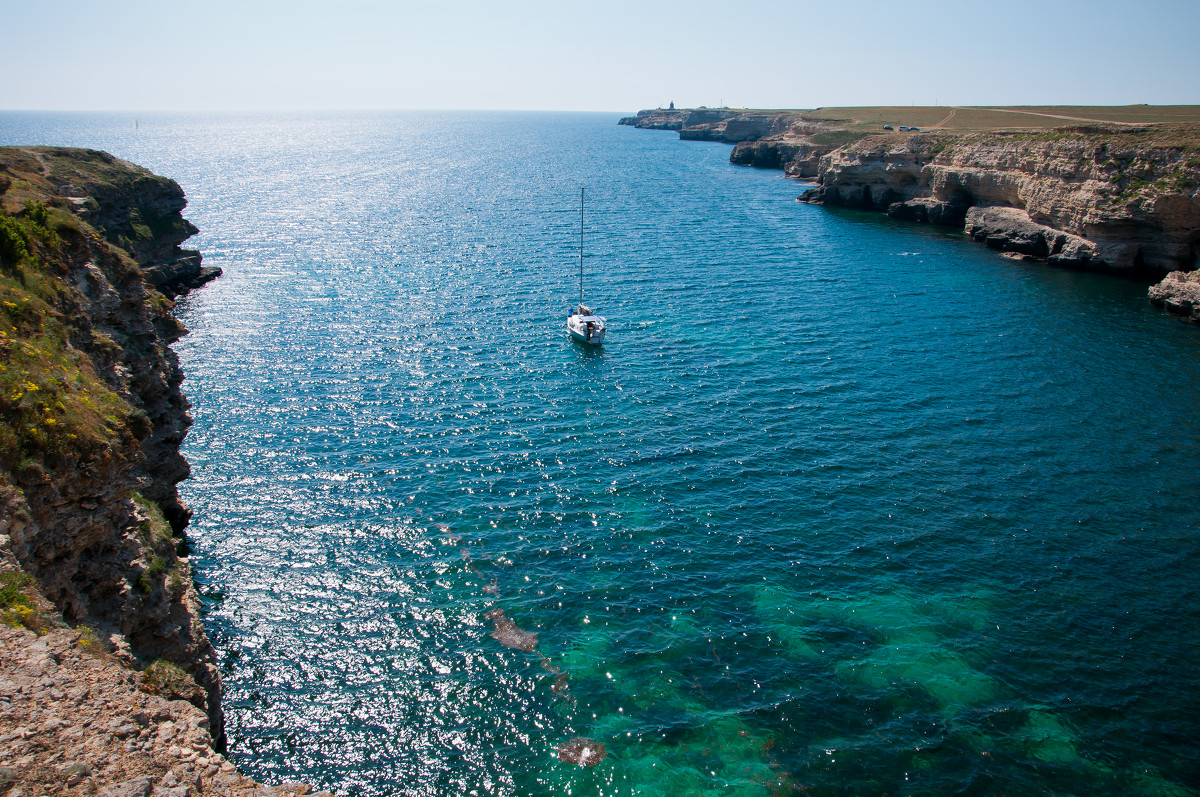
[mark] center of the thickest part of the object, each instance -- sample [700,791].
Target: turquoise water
[842,506]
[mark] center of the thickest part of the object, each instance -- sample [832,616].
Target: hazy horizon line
[238,110]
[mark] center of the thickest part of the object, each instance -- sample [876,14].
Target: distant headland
[1111,189]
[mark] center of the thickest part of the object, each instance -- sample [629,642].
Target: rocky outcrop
[134,209]
[877,173]
[797,158]
[1179,294]
[673,119]
[931,211]
[92,530]
[1103,199]
[1011,230]
[714,124]
[76,721]
[764,139]
[657,119]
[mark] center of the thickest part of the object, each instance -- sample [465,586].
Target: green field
[983,119]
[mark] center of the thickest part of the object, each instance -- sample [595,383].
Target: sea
[842,505]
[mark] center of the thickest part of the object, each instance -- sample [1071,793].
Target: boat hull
[577,326]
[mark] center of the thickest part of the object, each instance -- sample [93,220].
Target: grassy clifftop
[54,407]
[90,410]
[977,119]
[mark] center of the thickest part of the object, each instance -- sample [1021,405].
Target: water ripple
[841,506]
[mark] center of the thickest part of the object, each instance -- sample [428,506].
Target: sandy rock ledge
[73,720]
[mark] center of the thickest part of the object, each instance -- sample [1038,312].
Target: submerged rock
[582,751]
[506,632]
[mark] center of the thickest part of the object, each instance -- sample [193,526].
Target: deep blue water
[843,506]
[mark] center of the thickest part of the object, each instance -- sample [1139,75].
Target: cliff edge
[108,683]
[1100,195]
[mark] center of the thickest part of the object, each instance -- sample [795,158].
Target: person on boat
[590,325]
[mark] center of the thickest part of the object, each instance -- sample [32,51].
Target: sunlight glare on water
[842,505]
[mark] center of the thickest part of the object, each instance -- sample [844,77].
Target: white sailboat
[583,324]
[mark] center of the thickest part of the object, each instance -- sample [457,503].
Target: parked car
[888,127]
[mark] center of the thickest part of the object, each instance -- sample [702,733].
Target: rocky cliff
[107,670]
[714,124]
[1106,197]
[1098,198]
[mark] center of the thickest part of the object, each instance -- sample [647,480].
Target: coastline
[1113,197]
[60,656]
[108,682]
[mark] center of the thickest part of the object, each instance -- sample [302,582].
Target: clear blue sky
[603,55]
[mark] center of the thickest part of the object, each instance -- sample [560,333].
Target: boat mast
[580,245]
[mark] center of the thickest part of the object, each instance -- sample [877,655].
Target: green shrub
[14,242]
[36,212]
[171,682]
[12,590]
[155,530]
[17,607]
[90,640]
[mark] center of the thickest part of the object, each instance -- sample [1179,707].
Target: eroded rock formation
[1114,198]
[1102,198]
[133,208]
[1179,294]
[92,540]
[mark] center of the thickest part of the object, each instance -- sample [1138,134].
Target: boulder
[1178,294]
[1011,230]
[931,211]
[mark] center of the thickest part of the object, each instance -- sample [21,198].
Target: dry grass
[983,119]
[54,407]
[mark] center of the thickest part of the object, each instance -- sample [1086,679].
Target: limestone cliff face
[91,419]
[765,139]
[88,523]
[1104,197]
[714,124]
[797,158]
[675,119]
[1098,199]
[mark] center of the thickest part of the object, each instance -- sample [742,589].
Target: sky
[601,55]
